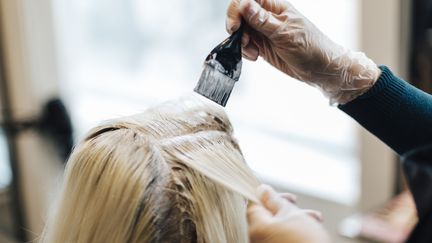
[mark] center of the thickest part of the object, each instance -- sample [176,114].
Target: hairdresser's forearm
[394,111]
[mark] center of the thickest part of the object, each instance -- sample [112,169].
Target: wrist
[360,74]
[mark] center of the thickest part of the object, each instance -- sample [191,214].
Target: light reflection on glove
[286,39]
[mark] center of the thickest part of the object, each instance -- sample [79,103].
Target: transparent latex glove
[286,39]
[278,220]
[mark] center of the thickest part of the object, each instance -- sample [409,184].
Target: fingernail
[316,215]
[293,198]
[320,217]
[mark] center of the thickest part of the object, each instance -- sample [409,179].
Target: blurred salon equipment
[55,126]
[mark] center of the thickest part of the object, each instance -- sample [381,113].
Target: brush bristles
[215,85]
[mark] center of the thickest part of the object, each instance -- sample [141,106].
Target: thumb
[258,17]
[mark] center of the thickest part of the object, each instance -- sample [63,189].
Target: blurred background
[68,65]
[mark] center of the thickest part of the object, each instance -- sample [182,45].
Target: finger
[245,39]
[290,197]
[233,16]
[314,214]
[273,201]
[248,58]
[257,214]
[250,52]
[274,6]
[258,17]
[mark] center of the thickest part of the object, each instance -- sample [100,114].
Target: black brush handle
[229,52]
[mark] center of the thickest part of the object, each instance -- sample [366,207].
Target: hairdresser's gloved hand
[286,39]
[278,220]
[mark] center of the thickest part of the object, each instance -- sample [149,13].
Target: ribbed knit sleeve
[396,112]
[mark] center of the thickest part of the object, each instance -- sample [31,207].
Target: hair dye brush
[222,69]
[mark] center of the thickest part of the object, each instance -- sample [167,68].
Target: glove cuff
[358,76]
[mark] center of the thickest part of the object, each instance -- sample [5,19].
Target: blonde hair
[172,174]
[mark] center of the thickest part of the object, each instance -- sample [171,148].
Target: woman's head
[171,174]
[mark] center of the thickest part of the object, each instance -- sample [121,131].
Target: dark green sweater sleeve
[396,112]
